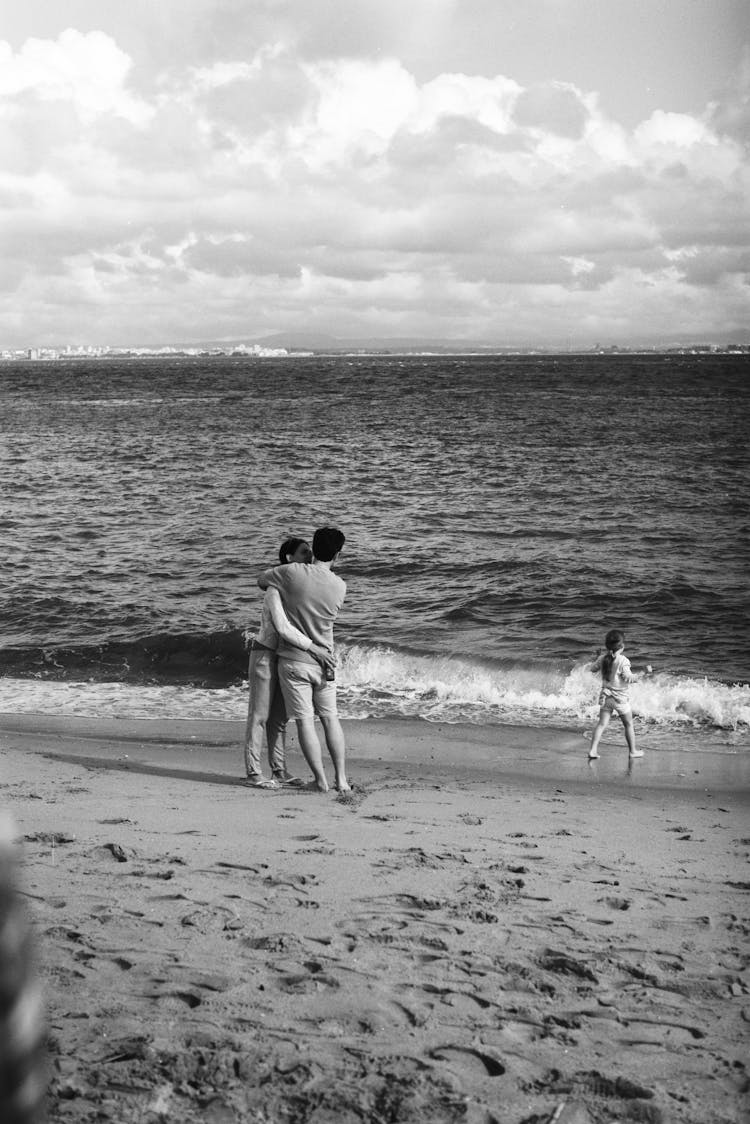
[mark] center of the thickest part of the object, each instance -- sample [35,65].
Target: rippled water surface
[500,512]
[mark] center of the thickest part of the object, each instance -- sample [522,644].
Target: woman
[266,714]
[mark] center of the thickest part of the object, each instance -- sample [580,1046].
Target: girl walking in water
[615,692]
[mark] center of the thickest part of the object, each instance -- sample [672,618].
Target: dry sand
[480,932]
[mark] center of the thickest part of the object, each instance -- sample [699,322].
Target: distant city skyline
[553,174]
[342,348]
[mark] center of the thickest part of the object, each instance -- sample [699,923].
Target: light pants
[266,715]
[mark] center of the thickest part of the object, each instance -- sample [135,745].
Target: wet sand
[484,930]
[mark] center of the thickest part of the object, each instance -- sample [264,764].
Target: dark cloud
[730,114]
[34,129]
[710,265]
[440,147]
[171,144]
[552,107]
[239,258]
[276,94]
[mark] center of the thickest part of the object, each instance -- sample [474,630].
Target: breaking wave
[378,681]
[374,682]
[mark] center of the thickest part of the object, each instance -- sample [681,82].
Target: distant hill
[299,341]
[302,340]
[321,341]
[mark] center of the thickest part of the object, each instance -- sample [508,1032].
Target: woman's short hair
[289,546]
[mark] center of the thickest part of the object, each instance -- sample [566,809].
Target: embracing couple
[291,672]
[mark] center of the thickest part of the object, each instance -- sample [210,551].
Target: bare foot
[637,753]
[263,782]
[593,757]
[343,785]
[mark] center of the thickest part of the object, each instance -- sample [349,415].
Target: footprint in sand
[309,977]
[189,998]
[209,919]
[241,866]
[560,962]
[116,851]
[456,998]
[469,1058]
[274,942]
[54,837]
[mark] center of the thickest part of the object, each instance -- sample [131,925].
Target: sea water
[501,513]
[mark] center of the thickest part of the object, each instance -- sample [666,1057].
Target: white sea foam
[451,689]
[383,683]
[120,700]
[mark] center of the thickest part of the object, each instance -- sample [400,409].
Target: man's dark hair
[327,542]
[289,546]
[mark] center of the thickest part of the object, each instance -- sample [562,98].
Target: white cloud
[348,194]
[86,70]
[359,106]
[673,130]
[488,101]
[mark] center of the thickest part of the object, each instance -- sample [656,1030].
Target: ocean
[501,513]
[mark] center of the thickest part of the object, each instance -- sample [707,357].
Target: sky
[552,173]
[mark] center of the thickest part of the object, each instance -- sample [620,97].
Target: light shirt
[276,626]
[617,685]
[312,596]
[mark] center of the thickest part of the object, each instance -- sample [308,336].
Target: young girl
[615,693]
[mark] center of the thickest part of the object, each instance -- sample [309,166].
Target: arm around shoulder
[270,578]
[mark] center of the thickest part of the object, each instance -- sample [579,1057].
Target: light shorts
[306,690]
[606,702]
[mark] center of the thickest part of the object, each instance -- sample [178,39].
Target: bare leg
[601,726]
[627,721]
[310,746]
[337,749]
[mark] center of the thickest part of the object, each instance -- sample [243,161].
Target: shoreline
[502,753]
[443,944]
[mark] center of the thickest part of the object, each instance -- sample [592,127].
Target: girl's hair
[289,546]
[614,641]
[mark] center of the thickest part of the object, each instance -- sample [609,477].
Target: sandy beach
[484,930]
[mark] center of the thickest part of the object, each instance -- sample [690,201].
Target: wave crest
[204,675]
[378,681]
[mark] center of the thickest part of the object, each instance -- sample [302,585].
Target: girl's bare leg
[627,721]
[601,726]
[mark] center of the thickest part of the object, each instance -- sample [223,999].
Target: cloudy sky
[552,172]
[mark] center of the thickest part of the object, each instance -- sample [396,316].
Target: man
[312,596]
